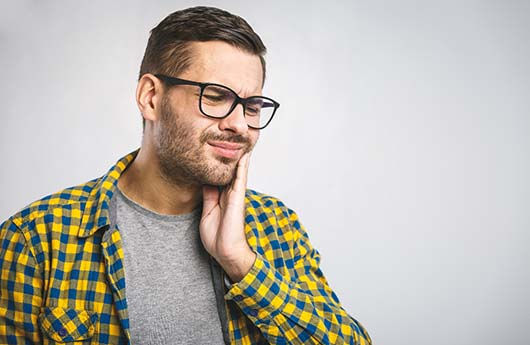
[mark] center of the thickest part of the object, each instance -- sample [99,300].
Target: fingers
[210,198]
[240,182]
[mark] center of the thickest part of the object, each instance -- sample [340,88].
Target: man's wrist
[238,268]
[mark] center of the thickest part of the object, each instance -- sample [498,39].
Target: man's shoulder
[257,199]
[264,205]
[86,201]
[269,217]
[71,198]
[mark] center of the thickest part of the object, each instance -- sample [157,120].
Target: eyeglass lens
[217,101]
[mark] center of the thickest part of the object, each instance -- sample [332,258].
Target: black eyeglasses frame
[238,100]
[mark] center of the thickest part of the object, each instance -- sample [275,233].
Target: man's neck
[143,183]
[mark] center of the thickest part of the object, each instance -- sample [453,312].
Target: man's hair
[169,52]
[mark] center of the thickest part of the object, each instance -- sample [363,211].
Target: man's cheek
[253,142]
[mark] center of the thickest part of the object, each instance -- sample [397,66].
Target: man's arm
[300,310]
[20,288]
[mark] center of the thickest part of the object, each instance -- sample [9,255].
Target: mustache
[240,139]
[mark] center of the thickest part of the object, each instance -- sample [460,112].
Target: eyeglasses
[218,101]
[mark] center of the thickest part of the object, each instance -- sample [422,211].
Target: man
[169,246]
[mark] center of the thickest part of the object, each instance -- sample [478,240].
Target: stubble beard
[183,158]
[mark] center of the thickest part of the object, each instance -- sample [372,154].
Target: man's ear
[149,94]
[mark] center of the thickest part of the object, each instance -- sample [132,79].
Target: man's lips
[226,149]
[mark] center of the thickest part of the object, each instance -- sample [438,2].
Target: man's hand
[222,226]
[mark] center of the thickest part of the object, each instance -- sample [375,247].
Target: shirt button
[238,298]
[62,332]
[253,312]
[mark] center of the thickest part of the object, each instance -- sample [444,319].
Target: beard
[183,157]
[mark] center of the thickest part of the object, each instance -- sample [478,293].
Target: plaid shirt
[62,276]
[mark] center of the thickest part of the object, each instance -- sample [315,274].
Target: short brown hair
[168,49]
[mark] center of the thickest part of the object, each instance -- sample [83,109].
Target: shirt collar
[96,209]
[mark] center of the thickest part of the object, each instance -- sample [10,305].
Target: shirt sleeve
[20,288]
[300,310]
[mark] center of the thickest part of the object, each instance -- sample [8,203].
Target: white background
[402,142]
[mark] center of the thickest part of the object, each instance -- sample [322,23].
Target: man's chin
[223,160]
[218,181]
[220,174]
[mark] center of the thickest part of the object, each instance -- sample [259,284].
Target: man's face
[193,148]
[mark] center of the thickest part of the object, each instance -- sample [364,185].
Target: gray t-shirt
[169,289]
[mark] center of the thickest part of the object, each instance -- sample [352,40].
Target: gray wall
[402,142]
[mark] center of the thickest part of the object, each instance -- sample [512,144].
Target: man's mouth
[226,149]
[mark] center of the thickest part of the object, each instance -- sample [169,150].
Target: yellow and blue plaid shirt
[63,280]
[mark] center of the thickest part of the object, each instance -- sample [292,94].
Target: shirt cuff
[262,293]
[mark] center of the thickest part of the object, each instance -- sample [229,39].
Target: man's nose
[235,121]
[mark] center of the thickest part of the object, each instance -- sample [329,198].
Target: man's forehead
[222,63]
